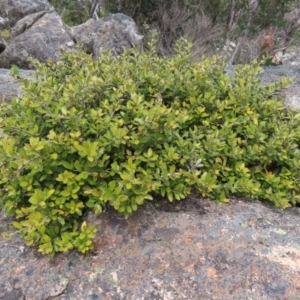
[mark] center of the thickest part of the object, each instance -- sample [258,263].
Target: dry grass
[174,22]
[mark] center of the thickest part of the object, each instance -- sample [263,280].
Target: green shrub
[123,129]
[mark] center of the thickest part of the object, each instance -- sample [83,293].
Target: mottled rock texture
[40,35]
[115,32]
[38,31]
[15,10]
[193,249]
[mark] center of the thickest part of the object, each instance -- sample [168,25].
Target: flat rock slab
[192,249]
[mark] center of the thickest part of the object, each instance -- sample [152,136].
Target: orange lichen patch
[199,245]
[19,269]
[211,272]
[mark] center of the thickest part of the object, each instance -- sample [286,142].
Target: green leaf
[64,111]
[33,142]
[33,200]
[61,220]
[17,225]
[51,135]
[67,165]
[50,192]
[54,156]
[122,198]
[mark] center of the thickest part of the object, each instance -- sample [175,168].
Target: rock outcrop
[190,249]
[115,32]
[11,11]
[38,31]
[40,35]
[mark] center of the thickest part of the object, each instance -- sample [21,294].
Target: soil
[192,249]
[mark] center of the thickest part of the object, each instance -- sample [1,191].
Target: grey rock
[291,95]
[14,10]
[4,23]
[115,32]
[16,294]
[9,86]
[41,35]
[25,23]
[290,58]
[39,32]
[274,288]
[192,249]
[83,35]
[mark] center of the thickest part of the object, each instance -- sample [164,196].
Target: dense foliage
[123,129]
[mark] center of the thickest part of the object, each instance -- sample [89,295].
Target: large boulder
[114,32]
[38,31]
[41,35]
[11,11]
